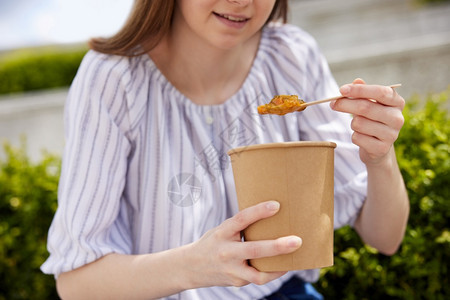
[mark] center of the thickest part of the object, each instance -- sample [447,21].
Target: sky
[26,23]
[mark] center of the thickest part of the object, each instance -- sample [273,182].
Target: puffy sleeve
[321,123]
[87,224]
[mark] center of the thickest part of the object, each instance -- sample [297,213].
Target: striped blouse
[145,169]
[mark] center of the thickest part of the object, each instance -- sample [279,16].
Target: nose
[240,2]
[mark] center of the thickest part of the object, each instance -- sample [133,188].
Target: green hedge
[41,68]
[27,204]
[420,270]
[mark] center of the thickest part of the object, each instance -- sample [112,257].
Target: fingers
[259,249]
[377,129]
[377,117]
[392,117]
[254,276]
[250,215]
[228,255]
[381,94]
[373,146]
[372,102]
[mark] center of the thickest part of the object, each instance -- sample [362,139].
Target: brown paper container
[299,175]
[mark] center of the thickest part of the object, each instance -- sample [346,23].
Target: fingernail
[345,89]
[294,241]
[273,205]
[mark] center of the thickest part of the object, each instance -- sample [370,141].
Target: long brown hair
[147,24]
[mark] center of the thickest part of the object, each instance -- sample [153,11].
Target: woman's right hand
[219,257]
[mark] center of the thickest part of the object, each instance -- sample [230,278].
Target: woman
[147,206]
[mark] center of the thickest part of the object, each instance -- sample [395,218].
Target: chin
[229,43]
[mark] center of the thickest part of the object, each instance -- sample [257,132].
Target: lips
[232,18]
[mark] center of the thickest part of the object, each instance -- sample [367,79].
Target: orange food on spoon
[281,105]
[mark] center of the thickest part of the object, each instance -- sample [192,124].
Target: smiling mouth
[231,18]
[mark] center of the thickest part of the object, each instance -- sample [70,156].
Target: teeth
[233,18]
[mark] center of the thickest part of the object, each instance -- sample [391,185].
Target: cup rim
[282,145]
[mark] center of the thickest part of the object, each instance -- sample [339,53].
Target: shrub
[36,69]
[420,269]
[27,204]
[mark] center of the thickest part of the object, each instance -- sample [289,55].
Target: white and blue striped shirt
[145,169]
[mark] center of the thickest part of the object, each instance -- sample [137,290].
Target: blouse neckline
[184,100]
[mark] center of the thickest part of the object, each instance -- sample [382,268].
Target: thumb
[358,81]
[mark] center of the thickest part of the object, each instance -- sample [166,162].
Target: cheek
[193,11]
[264,9]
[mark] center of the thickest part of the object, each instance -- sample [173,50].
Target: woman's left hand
[377,118]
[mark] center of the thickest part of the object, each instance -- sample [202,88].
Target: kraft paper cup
[299,175]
